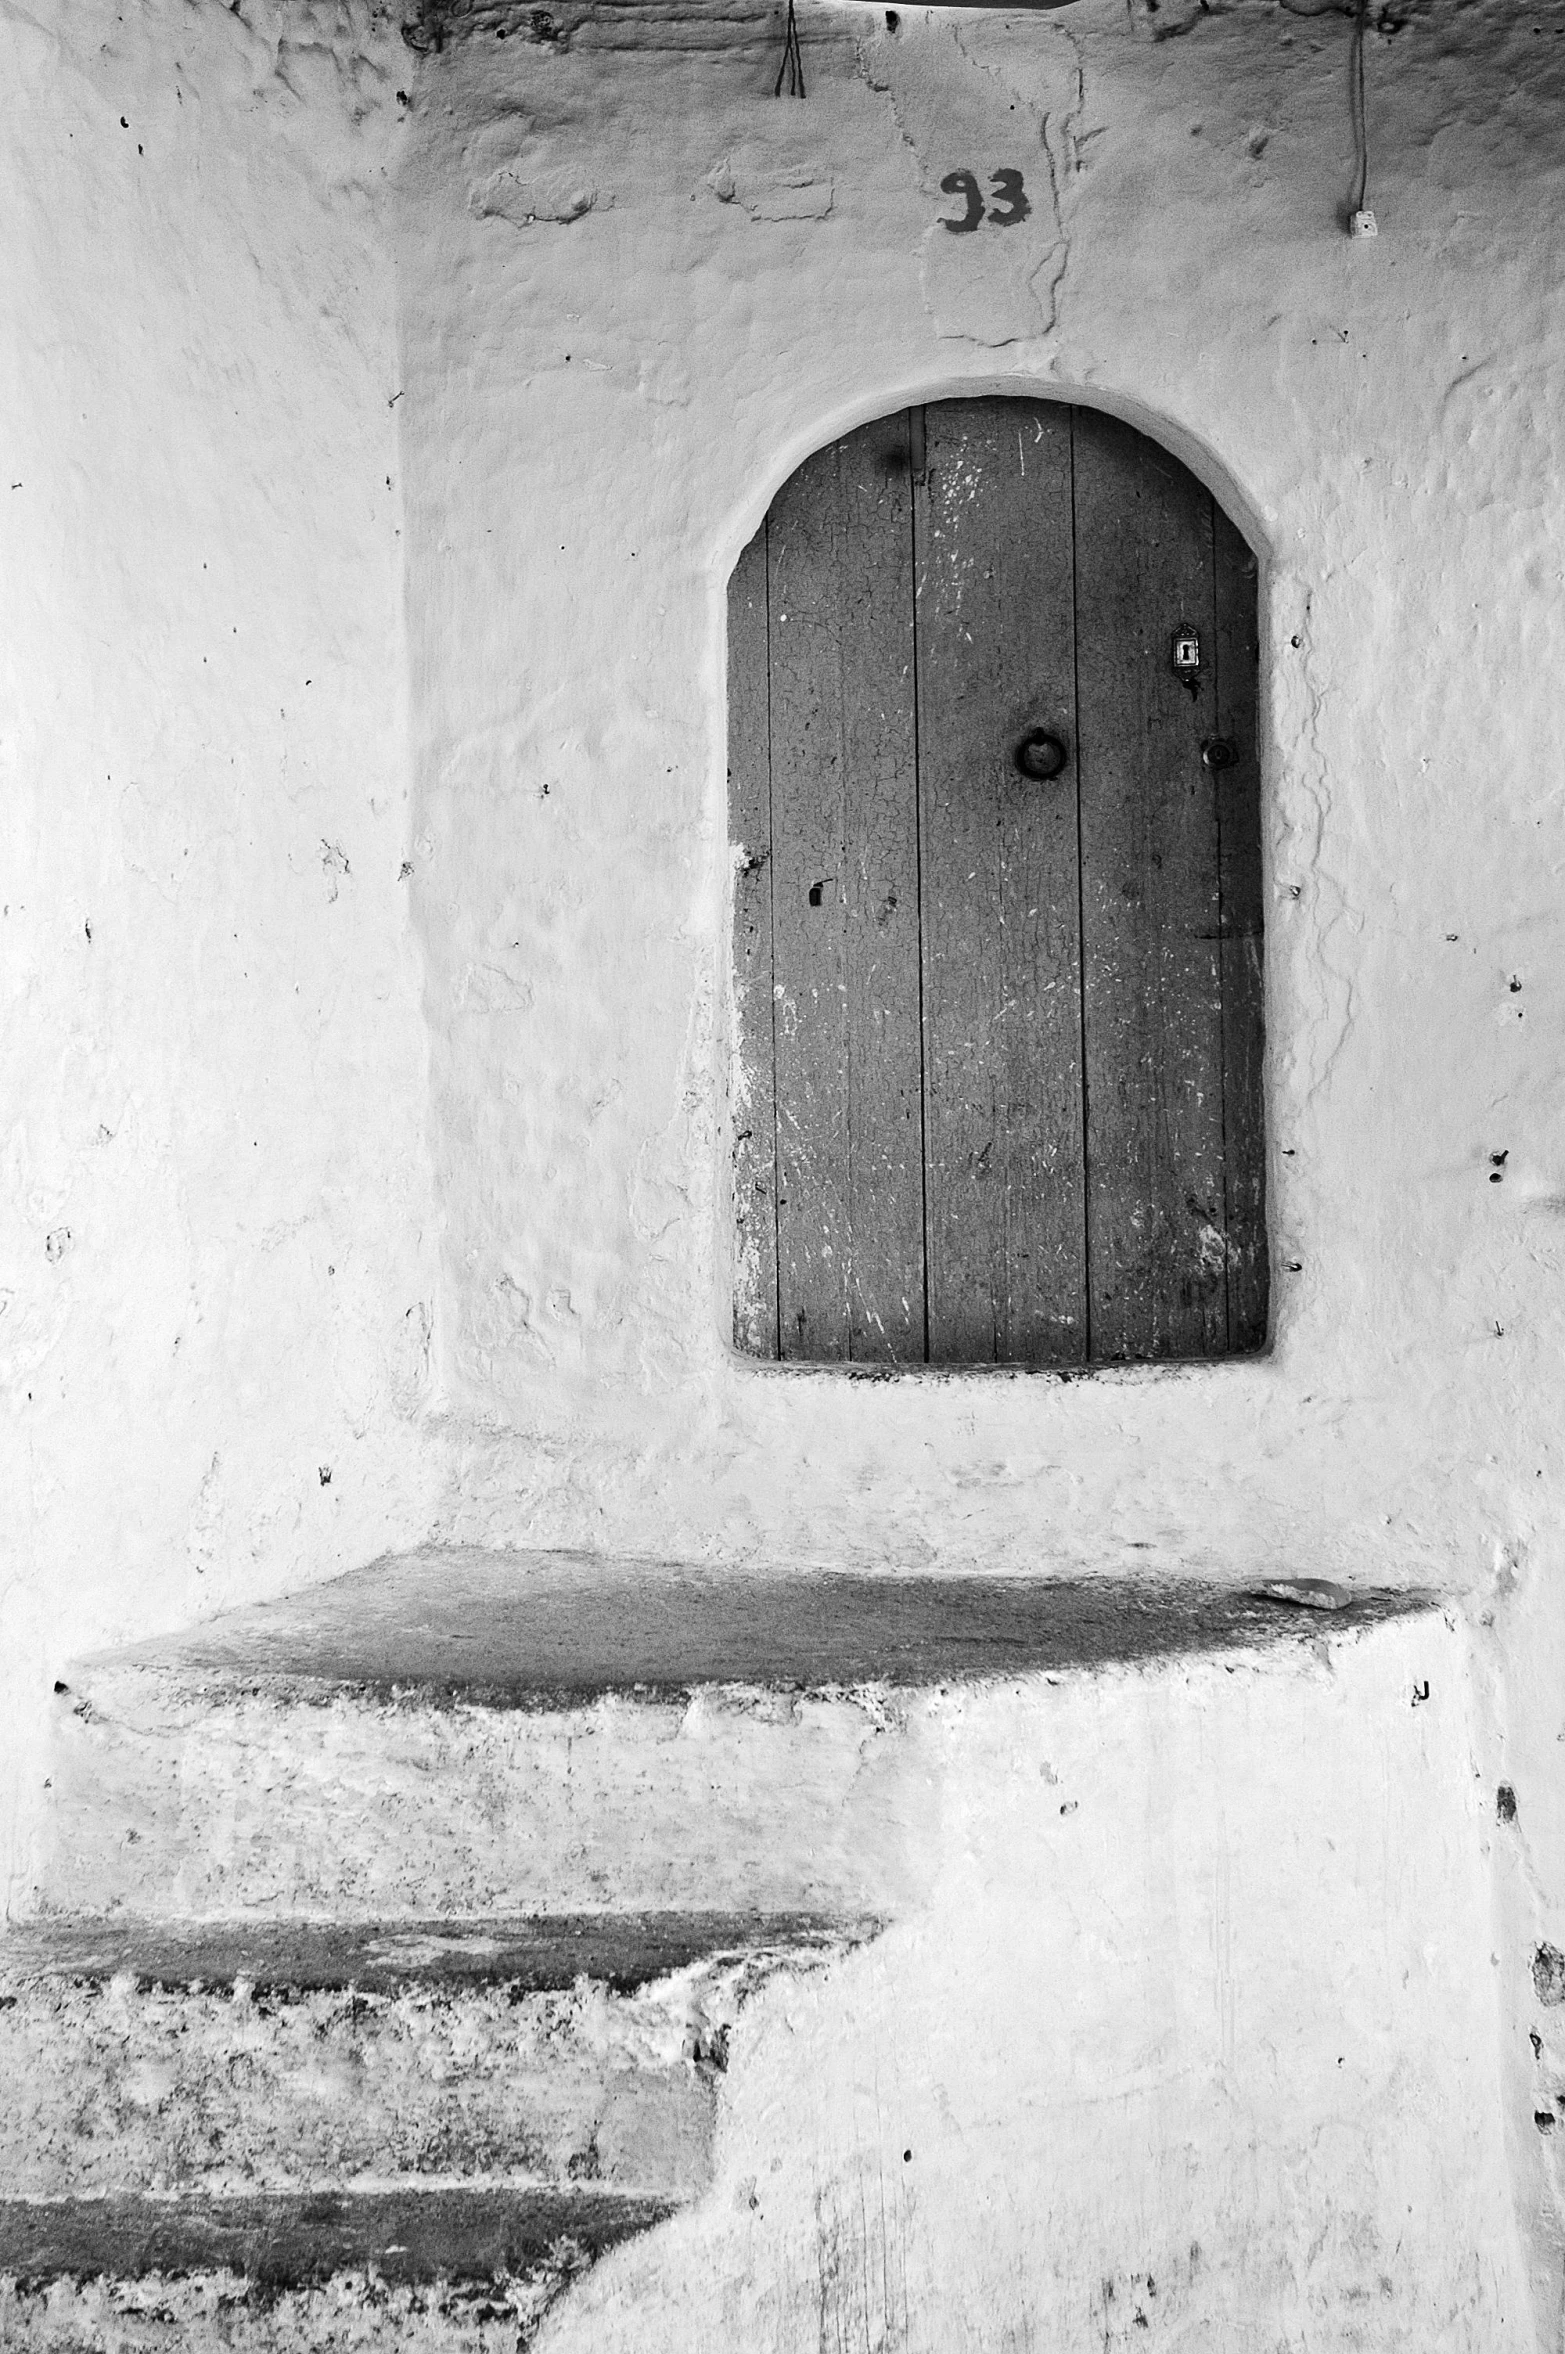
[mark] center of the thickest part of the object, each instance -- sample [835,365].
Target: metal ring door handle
[1041,755]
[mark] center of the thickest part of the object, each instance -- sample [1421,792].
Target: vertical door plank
[1239,827]
[1001,954]
[1151,913]
[885,1066]
[845,904]
[753,1095]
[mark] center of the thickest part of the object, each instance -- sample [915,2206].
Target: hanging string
[791,69]
[1356,104]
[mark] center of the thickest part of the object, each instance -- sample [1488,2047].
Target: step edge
[1117,1623]
[298,2239]
[542,1953]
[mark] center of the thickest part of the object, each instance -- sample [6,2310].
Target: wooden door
[999,1030]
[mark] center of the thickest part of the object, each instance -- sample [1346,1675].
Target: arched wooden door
[995,805]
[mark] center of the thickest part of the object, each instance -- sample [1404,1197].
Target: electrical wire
[1357,107]
[791,69]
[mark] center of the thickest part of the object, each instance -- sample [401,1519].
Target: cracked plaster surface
[962,101]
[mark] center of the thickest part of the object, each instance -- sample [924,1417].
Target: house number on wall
[1012,203]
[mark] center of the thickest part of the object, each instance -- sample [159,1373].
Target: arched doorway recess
[994,792]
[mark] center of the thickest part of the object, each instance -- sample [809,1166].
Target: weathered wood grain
[753,1093]
[1004,1176]
[1243,922]
[845,904]
[1152,988]
[1008,1031]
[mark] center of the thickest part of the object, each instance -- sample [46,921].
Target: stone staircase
[392,1939]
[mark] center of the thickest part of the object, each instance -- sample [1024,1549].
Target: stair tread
[297,2238]
[531,1953]
[547,1630]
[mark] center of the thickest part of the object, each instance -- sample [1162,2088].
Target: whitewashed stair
[390,1937]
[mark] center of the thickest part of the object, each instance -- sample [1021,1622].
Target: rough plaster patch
[559,196]
[769,187]
[957,112]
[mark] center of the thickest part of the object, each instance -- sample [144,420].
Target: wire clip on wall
[1361,221]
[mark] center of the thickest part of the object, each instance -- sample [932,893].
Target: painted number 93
[1010,200]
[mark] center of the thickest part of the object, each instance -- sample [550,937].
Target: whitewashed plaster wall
[1194,2048]
[465,376]
[636,291]
[216,1214]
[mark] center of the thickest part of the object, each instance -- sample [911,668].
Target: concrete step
[445,2270]
[394,1940]
[300,2240]
[274,1954]
[470,1733]
[150,2079]
[281,2103]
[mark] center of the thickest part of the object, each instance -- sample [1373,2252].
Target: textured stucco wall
[216,1220]
[636,291]
[383,428]
[1217,2083]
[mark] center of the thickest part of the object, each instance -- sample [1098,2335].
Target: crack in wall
[954,111]
[1320,977]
